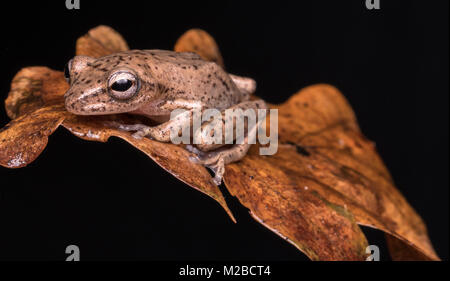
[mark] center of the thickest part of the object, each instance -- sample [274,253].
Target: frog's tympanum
[153,83]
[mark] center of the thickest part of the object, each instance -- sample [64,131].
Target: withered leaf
[321,229]
[200,42]
[34,87]
[24,138]
[100,41]
[323,158]
[324,180]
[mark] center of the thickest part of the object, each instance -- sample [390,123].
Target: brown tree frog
[153,83]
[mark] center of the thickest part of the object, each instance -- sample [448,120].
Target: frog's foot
[216,160]
[140,130]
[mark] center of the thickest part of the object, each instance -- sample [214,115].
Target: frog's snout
[69,102]
[79,103]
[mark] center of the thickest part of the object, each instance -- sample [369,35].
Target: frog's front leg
[161,132]
[142,130]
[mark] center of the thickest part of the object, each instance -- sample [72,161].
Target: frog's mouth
[159,119]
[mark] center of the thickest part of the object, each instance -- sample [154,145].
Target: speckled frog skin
[153,83]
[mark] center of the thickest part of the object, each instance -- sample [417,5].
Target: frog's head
[107,85]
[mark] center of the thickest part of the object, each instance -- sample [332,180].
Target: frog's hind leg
[216,160]
[221,155]
[246,86]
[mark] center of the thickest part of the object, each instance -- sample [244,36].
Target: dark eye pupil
[122,85]
[66,71]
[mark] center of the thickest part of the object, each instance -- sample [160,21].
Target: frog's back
[165,56]
[188,75]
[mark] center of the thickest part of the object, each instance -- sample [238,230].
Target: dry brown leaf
[323,155]
[23,139]
[100,41]
[200,42]
[325,179]
[34,87]
[299,214]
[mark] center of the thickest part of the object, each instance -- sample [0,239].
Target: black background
[116,204]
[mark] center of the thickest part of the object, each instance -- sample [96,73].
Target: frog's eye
[67,68]
[123,85]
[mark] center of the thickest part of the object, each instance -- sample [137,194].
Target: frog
[154,83]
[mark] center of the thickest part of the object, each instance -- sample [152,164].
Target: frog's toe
[205,159]
[137,135]
[195,160]
[131,128]
[213,161]
[141,130]
[219,170]
[193,149]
